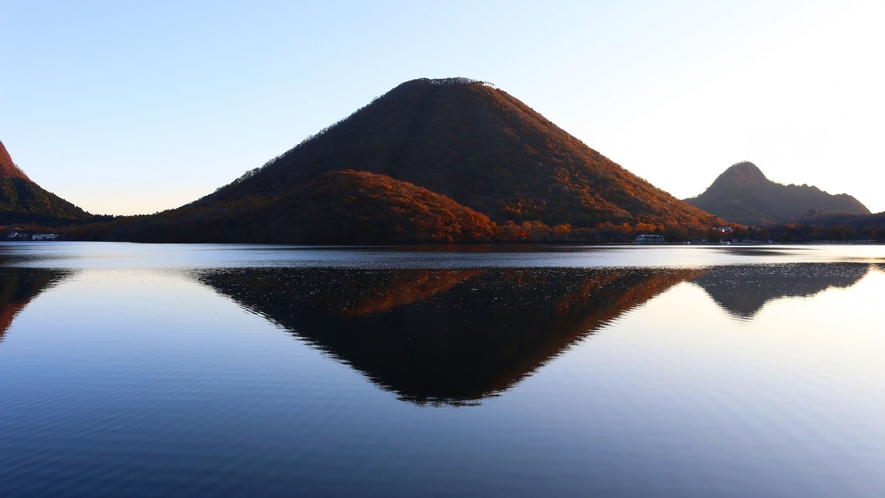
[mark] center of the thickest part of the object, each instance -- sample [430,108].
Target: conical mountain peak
[462,139]
[484,149]
[742,173]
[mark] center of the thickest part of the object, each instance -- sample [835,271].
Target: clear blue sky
[135,107]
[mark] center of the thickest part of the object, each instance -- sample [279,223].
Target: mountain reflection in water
[458,336]
[19,286]
[744,290]
[443,336]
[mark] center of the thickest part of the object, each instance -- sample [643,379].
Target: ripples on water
[230,370]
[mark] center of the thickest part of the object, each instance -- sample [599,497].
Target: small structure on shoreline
[649,239]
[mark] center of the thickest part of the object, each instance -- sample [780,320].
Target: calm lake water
[179,370]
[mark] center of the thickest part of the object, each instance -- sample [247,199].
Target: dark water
[249,370]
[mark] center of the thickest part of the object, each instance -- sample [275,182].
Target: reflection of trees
[389,290]
[18,286]
[443,336]
[744,290]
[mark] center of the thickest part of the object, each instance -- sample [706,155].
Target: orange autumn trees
[349,207]
[451,160]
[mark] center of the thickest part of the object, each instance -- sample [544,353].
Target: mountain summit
[743,173]
[742,194]
[484,149]
[461,139]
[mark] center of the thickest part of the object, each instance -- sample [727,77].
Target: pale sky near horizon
[136,107]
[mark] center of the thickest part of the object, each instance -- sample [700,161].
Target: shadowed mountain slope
[867,222]
[742,194]
[24,202]
[467,141]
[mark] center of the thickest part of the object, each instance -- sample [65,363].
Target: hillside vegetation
[24,203]
[341,207]
[484,149]
[464,141]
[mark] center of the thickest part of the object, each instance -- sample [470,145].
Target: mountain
[458,138]
[23,202]
[742,194]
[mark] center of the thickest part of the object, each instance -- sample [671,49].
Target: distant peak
[8,169]
[747,169]
[743,173]
[742,194]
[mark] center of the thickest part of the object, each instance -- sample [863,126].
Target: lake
[229,370]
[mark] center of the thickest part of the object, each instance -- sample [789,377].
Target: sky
[137,107]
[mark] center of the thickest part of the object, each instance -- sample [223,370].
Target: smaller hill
[23,202]
[831,227]
[742,194]
[348,207]
[865,222]
[339,207]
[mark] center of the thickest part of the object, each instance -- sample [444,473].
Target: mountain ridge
[743,194]
[24,202]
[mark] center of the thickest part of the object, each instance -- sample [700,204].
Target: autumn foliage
[342,207]
[454,161]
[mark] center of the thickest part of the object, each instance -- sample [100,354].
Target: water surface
[229,370]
